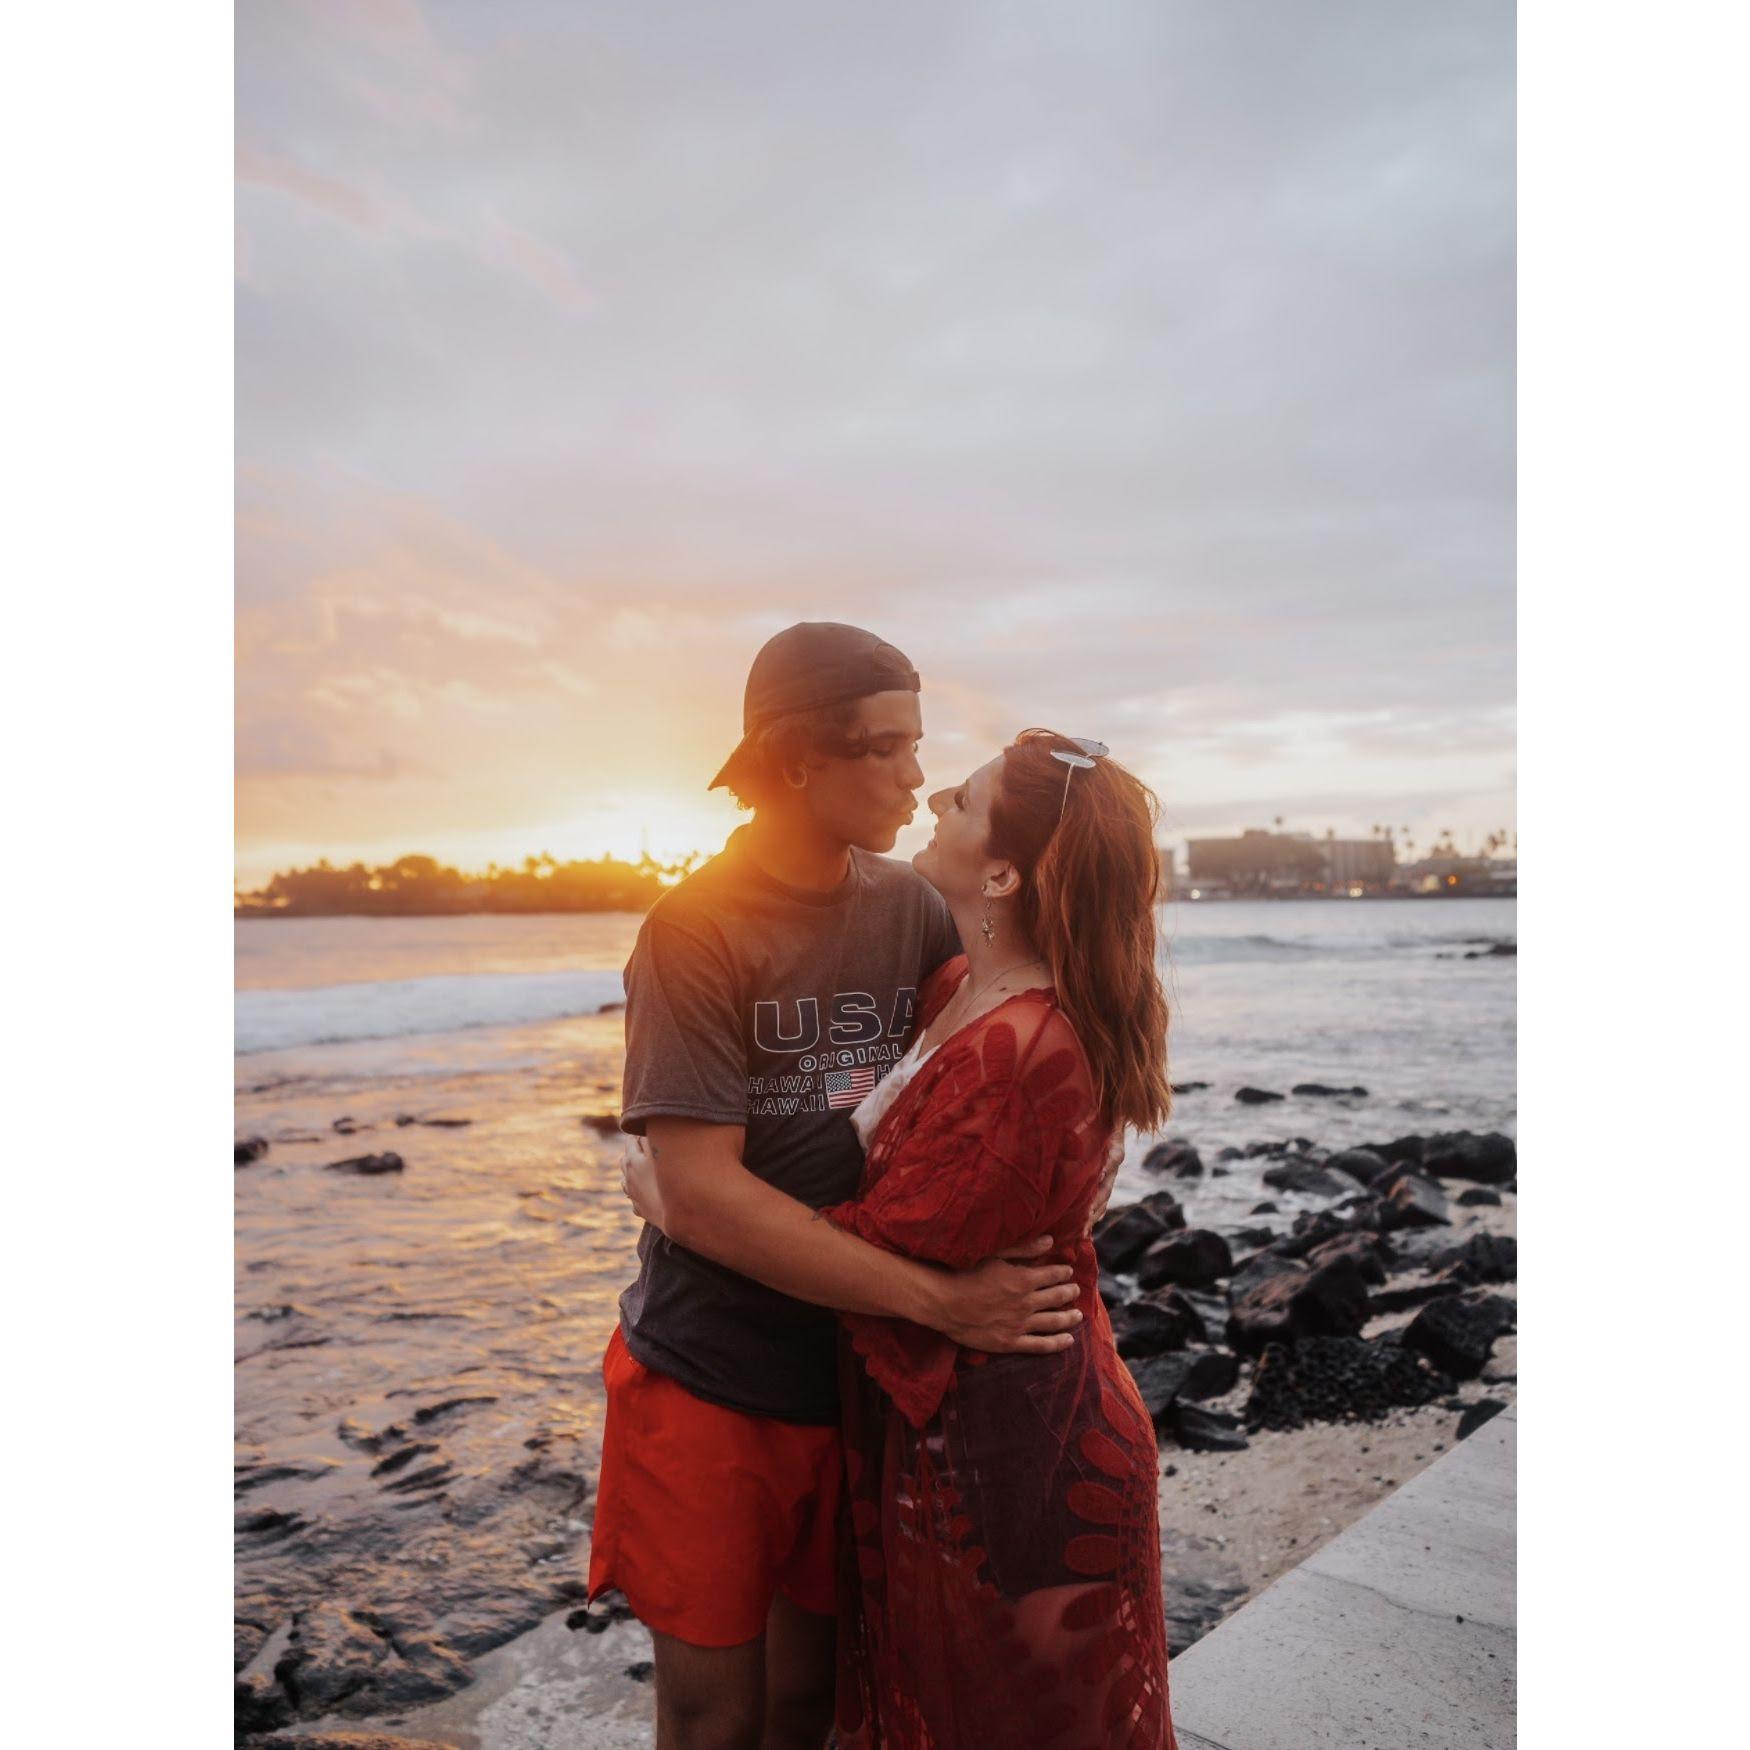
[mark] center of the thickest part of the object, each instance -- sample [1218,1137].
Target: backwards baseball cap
[813,665]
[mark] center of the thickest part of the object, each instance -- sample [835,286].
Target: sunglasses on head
[1091,751]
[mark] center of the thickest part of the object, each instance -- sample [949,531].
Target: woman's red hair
[1090,881]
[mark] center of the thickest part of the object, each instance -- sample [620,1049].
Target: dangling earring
[987,927]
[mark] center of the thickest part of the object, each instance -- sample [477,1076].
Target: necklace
[966,1006]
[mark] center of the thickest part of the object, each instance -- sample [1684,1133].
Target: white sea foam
[335,1014]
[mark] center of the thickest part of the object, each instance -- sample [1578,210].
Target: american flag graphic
[847,1087]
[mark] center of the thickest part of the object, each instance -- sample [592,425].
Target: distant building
[1460,876]
[1260,863]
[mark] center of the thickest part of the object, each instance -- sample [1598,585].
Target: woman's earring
[792,782]
[988,929]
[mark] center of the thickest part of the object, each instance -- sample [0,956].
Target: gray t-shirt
[750,1002]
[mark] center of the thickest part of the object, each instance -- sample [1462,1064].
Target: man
[765,996]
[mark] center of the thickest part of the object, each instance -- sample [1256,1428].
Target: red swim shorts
[704,1513]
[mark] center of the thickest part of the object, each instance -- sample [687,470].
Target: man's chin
[881,841]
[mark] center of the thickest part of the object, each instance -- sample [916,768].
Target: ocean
[418,1394]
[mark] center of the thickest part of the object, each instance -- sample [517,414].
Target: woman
[1001,1581]
[1004,1585]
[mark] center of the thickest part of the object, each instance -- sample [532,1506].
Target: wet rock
[1178,1158]
[1193,1259]
[1359,1163]
[1457,1332]
[360,1662]
[1484,1257]
[1412,1294]
[1409,1200]
[1338,1379]
[1488,1159]
[1197,1321]
[1143,1328]
[597,1618]
[1478,1196]
[1163,1380]
[1122,1235]
[1300,1302]
[1256,1096]
[1202,1430]
[641,1670]
[1307,1177]
[1319,1090]
[248,1150]
[1112,1291]
[429,1413]
[258,1704]
[1264,1208]
[603,1123]
[269,1525]
[1194,1607]
[1368,1252]
[1189,1087]
[369,1165]
[1495,951]
[1475,1415]
[1273,1261]
[1251,1238]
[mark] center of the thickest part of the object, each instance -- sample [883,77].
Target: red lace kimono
[1003,1581]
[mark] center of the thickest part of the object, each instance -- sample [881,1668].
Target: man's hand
[638,1181]
[1109,1178]
[1010,1308]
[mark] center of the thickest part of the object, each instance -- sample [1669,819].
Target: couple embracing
[871,1460]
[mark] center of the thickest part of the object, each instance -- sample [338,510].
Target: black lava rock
[1338,1379]
[1189,1087]
[1122,1235]
[1457,1332]
[1177,1158]
[1202,1430]
[1318,1090]
[249,1149]
[1475,1415]
[1193,1259]
[1409,1200]
[1368,1252]
[1484,1257]
[1264,1208]
[1256,1096]
[369,1165]
[1300,1302]
[1478,1196]
[1307,1177]
[1359,1163]
[1490,1159]
[1192,1373]
[1145,1328]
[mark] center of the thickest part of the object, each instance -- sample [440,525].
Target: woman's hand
[638,1181]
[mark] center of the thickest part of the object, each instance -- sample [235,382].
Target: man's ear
[1003,882]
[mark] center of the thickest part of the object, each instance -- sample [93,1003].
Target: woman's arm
[690,1182]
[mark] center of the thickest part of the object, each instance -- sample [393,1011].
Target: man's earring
[792,782]
[987,927]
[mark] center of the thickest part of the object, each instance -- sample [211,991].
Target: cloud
[1132,366]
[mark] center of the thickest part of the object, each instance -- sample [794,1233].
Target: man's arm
[691,1183]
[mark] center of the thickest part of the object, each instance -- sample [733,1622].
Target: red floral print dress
[1002,1583]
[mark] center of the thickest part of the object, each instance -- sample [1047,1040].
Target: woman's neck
[987,961]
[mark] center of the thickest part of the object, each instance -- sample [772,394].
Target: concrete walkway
[1399,1634]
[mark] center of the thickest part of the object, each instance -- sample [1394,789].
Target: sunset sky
[1141,369]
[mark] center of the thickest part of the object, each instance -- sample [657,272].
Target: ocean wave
[336,1014]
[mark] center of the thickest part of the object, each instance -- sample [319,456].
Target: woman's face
[955,861]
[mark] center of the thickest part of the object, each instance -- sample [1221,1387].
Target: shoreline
[1232,1521]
